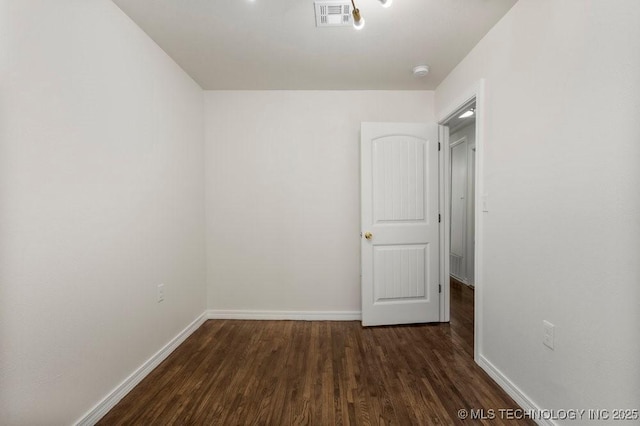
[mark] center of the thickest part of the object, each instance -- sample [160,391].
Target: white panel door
[400,230]
[458,236]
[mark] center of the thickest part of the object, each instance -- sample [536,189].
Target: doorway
[460,198]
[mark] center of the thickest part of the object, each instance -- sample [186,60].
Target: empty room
[287,212]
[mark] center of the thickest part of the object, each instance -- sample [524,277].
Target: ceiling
[274,44]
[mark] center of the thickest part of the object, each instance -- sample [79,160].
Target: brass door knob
[368,235]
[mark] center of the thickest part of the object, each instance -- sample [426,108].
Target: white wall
[101,199]
[562,173]
[283,194]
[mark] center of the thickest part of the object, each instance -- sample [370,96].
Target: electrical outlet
[548,339]
[160,292]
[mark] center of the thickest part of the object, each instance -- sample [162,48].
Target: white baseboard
[285,315]
[462,280]
[512,390]
[108,402]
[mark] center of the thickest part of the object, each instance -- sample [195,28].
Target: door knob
[368,235]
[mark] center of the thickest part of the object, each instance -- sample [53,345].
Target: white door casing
[399,209]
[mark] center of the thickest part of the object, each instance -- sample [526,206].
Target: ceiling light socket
[358,20]
[420,71]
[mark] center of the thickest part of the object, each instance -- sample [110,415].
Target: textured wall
[283,194]
[562,235]
[101,199]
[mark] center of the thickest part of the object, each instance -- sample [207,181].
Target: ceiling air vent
[332,13]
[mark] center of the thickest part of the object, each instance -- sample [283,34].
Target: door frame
[477,92]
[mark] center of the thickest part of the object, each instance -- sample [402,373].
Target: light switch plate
[160,295]
[548,339]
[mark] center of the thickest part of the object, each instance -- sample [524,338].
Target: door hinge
[439,288]
[439,218]
[439,146]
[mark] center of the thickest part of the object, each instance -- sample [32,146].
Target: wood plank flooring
[319,373]
[462,311]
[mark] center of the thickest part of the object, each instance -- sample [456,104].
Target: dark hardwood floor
[462,311]
[320,373]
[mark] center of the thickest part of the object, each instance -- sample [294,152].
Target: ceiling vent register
[333,13]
